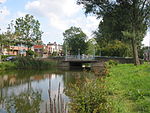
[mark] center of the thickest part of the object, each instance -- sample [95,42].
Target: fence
[79,57]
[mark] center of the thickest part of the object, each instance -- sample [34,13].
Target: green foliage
[129,88]
[115,48]
[54,54]
[25,102]
[4,42]
[124,20]
[89,97]
[27,63]
[92,46]
[111,63]
[7,66]
[30,52]
[28,30]
[104,71]
[31,63]
[75,41]
[109,35]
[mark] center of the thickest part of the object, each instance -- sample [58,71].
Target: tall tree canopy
[28,29]
[75,40]
[132,16]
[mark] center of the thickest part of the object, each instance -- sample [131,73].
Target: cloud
[70,8]
[59,7]
[2,1]
[20,14]
[57,22]
[4,11]
[61,15]
[58,12]
[4,14]
[87,24]
[146,40]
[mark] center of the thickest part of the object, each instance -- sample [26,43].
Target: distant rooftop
[38,46]
[53,43]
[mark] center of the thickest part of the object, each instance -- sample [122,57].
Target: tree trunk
[135,52]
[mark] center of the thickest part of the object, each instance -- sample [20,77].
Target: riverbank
[129,88]
[27,63]
[126,89]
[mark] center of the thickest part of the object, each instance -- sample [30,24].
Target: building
[147,55]
[18,49]
[39,50]
[54,48]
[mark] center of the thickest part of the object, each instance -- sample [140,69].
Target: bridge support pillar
[64,64]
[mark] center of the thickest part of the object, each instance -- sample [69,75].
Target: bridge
[78,60]
[93,61]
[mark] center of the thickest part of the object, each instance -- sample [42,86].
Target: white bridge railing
[79,57]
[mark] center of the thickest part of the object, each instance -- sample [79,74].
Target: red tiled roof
[38,46]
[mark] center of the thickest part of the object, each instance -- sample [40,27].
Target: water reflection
[31,91]
[25,102]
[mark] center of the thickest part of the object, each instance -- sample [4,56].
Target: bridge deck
[81,61]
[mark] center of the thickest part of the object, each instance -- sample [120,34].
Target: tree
[2,38]
[92,47]
[28,30]
[115,48]
[25,102]
[110,31]
[136,21]
[75,40]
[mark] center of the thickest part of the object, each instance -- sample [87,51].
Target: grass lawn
[129,88]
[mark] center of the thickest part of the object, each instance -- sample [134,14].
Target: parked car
[10,58]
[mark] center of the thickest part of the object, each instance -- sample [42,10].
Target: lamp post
[66,53]
[94,52]
[78,53]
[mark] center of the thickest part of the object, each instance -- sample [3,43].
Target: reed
[56,103]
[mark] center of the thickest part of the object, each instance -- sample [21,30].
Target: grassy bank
[27,63]
[7,66]
[129,88]
[126,89]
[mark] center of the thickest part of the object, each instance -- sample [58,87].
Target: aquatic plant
[56,103]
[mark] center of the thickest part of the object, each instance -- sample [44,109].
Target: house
[147,55]
[39,50]
[54,48]
[18,49]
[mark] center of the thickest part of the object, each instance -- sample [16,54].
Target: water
[28,91]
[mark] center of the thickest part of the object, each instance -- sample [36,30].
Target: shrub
[31,63]
[7,65]
[111,63]
[30,52]
[89,97]
[107,66]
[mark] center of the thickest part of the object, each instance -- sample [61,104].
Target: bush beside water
[7,66]
[27,63]
[89,97]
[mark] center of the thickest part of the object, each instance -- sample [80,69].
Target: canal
[37,91]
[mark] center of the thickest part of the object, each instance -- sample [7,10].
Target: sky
[55,17]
